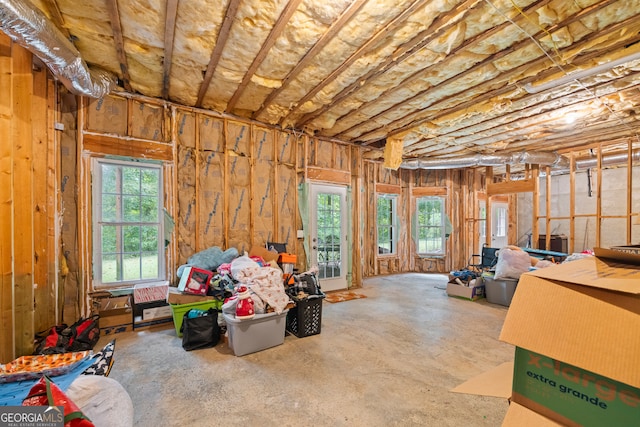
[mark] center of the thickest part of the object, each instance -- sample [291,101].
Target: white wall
[614,196]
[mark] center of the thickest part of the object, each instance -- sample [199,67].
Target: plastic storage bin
[499,291]
[306,317]
[252,335]
[179,310]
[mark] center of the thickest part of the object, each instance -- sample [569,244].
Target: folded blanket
[267,283]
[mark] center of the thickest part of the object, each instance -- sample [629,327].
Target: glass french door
[329,235]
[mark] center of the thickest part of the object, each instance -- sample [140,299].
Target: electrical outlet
[300,234]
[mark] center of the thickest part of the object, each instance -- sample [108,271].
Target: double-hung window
[128,219]
[386,223]
[431,225]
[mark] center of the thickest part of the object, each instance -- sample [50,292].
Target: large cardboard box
[575,327]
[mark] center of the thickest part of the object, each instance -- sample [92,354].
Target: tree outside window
[386,223]
[127,223]
[431,233]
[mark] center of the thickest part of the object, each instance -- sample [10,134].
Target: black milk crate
[306,317]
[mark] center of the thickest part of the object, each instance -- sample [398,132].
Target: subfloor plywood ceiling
[447,78]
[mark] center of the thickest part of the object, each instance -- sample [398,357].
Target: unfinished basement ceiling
[448,78]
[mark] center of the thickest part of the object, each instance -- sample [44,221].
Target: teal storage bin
[179,311]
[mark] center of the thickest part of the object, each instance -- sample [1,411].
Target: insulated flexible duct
[541,158]
[30,28]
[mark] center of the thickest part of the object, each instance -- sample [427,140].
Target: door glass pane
[329,235]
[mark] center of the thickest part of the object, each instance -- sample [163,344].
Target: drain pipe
[533,157]
[30,28]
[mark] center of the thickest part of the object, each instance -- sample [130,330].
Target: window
[128,237]
[386,223]
[431,225]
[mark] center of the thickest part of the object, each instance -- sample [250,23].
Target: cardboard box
[472,293]
[195,281]
[575,327]
[115,311]
[174,296]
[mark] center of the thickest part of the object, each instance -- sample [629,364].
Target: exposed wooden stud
[227,180]
[629,191]
[23,192]
[223,37]
[7,342]
[53,202]
[572,203]
[535,227]
[169,31]
[118,39]
[599,199]
[197,158]
[488,217]
[276,30]
[83,215]
[548,215]
[41,205]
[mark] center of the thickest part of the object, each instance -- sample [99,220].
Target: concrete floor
[386,360]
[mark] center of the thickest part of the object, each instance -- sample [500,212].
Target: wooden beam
[328,175]
[599,199]
[276,30]
[572,203]
[7,347]
[128,147]
[547,208]
[223,37]
[335,27]
[465,46]
[436,29]
[418,117]
[56,16]
[23,191]
[118,39]
[509,187]
[488,221]
[41,203]
[429,191]
[169,31]
[629,191]
[388,188]
[535,227]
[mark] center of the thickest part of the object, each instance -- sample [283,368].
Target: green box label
[572,393]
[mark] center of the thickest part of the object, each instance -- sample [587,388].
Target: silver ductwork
[608,160]
[30,28]
[533,157]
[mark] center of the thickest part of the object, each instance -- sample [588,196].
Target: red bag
[46,393]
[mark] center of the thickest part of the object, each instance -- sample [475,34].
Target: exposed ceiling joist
[223,36]
[169,31]
[116,28]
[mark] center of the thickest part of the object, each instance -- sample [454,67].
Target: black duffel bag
[201,331]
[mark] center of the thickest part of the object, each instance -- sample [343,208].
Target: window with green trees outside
[128,240]
[431,225]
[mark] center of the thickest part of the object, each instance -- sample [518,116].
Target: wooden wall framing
[28,200]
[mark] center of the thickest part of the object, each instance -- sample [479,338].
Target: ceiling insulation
[449,78]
